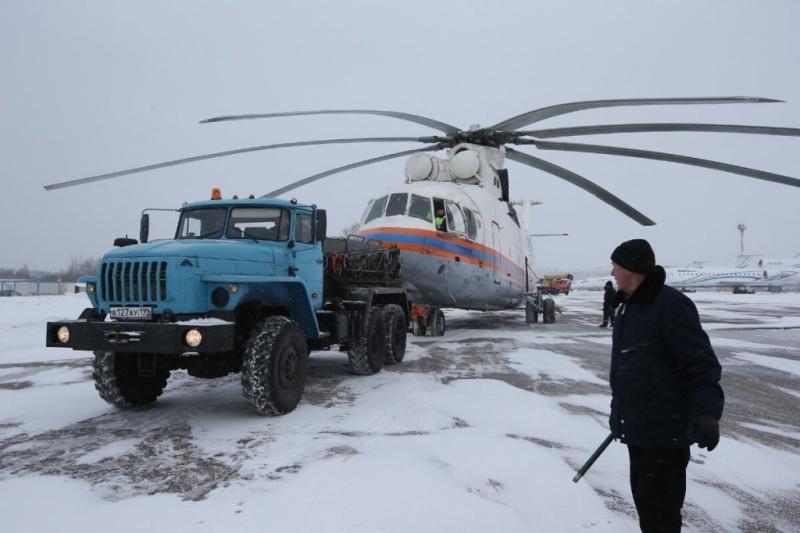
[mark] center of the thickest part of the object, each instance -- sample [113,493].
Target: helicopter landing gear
[436,319]
[424,319]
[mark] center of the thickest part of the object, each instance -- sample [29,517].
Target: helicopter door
[496,249]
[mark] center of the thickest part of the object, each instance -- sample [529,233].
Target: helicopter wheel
[531,315]
[437,322]
[548,311]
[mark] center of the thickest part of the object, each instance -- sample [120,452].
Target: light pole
[741,227]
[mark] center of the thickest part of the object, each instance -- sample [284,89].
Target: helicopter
[463,243]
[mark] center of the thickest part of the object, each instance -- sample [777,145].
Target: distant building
[32,287]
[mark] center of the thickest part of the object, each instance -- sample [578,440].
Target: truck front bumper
[142,337]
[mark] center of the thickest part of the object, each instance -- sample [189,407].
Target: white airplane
[753,272]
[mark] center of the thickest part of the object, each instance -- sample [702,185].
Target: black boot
[604,324]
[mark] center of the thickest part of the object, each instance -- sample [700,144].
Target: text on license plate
[132,313]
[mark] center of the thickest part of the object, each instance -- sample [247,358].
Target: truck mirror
[144,227]
[322,224]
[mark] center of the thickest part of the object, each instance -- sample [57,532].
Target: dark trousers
[658,483]
[608,315]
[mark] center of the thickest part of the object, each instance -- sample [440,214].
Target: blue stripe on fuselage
[441,244]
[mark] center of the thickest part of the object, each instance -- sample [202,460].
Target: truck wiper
[206,235]
[248,234]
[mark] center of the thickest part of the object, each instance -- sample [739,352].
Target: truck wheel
[531,315]
[437,322]
[395,330]
[275,366]
[117,379]
[548,311]
[367,353]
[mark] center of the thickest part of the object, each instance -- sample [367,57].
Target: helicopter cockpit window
[261,223]
[472,223]
[376,210]
[397,204]
[420,208]
[366,210]
[455,218]
[205,223]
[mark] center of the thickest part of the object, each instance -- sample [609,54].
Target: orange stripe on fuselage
[451,255]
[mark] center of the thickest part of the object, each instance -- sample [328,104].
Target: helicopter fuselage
[475,259]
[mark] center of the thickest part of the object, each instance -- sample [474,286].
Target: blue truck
[246,285]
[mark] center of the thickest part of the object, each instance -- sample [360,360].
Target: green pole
[589,462]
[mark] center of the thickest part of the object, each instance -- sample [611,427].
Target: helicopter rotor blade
[315,177]
[580,181]
[659,127]
[537,115]
[664,156]
[417,119]
[99,177]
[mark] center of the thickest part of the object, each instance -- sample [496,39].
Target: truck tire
[548,311]
[531,315]
[395,331]
[437,322]
[367,352]
[275,366]
[118,382]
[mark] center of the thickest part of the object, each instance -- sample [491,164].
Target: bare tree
[350,230]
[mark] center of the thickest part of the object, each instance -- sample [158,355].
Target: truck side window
[261,223]
[397,204]
[303,228]
[420,208]
[455,218]
[376,210]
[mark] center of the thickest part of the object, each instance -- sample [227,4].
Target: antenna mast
[741,227]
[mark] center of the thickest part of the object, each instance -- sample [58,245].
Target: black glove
[704,430]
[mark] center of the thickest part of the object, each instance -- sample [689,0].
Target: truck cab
[221,256]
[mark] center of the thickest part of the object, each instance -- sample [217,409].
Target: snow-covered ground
[480,430]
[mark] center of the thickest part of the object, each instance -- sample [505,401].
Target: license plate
[132,313]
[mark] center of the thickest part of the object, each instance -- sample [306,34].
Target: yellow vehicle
[555,283]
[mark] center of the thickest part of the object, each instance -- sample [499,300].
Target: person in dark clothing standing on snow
[610,303]
[665,392]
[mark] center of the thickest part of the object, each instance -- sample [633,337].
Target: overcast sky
[96,86]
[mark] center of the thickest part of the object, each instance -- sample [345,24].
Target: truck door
[308,256]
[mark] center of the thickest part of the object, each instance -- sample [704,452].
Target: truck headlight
[63,334]
[193,338]
[91,288]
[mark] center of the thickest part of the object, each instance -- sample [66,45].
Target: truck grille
[133,281]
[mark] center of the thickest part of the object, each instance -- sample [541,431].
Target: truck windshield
[205,223]
[262,223]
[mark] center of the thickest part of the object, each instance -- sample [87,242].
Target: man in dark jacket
[610,303]
[664,385]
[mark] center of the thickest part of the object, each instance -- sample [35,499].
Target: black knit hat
[635,255]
